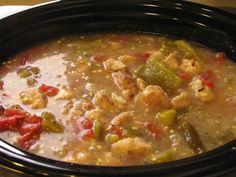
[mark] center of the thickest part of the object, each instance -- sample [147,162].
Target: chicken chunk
[65,94]
[203,92]
[123,117]
[132,146]
[102,100]
[119,101]
[172,61]
[94,114]
[127,59]
[34,98]
[125,83]
[190,66]
[155,96]
[113,65]
[181,101]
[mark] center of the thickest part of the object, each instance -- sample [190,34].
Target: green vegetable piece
[50,124]
[31,81]
[111,138]
[97,129]
[167,117]
[156,72]
[191,136]
[165,156]
[167,44]
[23,73]
[188,50]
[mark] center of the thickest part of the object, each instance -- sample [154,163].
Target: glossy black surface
[204,25]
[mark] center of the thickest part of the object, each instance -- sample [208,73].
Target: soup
[118,99]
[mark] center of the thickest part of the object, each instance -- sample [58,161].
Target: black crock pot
[205,25]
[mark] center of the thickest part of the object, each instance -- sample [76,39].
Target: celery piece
[167,44]
[189,51]
[97,129]
[156,72]
[167,117]
[50,124]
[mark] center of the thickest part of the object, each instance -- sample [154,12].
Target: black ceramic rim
[134,16]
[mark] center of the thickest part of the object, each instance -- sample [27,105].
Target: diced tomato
[184,76]
[117,130]
[220,57]
[27,140]
[208,75]
[87,134]
[33,119]
[208,83]
[1,85]
[8,123]
[98,58]
[153,130]
[13,111]
[49,90]
[207,78]
[83,123]
[142,56]
[34,128]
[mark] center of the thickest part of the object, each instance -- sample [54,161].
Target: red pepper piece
[117,130]
[207,78]
[33,119]
[83,123]
[8,123]
[87,134]
[27,140]
[153,130]
[49,90]
[208,83]
[13,111]
[142,56]
[34,128]
[208,75]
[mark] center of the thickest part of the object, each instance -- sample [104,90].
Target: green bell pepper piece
[167,117]
[111,138]
[189,51]
[50,124]
[97,129]
[191,136]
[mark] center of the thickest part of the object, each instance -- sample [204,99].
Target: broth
[118,99]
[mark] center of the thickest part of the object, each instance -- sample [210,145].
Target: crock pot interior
[201,24]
